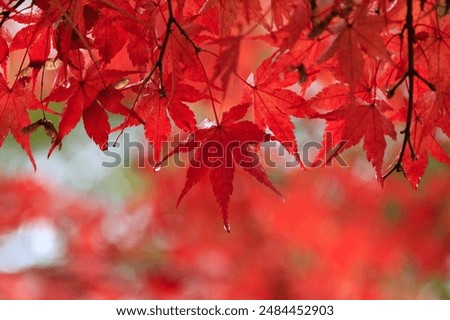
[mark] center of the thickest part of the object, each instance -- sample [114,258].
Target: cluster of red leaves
[388,60]
[351,241]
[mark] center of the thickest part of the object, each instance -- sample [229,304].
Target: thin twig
[7,13]
[410,74]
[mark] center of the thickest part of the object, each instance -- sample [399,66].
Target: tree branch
[410,74]
[7,13]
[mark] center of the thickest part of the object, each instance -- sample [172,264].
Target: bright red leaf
[350,124]
[218,149]
[84,95]
[428,112]
[14,105]
[356,32]
[154,107]
[274,104]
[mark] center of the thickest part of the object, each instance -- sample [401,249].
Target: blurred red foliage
[335,237]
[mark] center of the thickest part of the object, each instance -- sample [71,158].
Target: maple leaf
[232,13]
[227,60]
[14,103]
[432,110]
[38,42]
[297,55]
[67,21]
[274,104]
[335,95]
[350,124]
[281,11]
[181,59]
[110,34]
[73,11]
[217,150]
[362,32]
[437,59]
[142,39]
[331,97]
[428,113]
[154,107]
[298,22]
[88,96]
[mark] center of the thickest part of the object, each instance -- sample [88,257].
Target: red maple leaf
[360,31]
[274,104]
[71,11]
[231,13]
[14,103]
[435,54]
[142,38]
[281,11]
[296,25]
[428,111]
[115,23]
[432,109]
[218,149]
[37,40]
[227,59]
[350,124]
[156,104]
[89,96]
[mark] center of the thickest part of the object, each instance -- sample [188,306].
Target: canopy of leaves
[369,69]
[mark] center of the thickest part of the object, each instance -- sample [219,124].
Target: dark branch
[410,74]
[7,13]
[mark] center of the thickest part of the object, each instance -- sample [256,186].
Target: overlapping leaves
[349,56]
